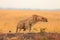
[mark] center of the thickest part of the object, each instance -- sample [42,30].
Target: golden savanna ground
[10,18]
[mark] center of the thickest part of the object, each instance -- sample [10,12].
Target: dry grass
[31,36]
[10,18]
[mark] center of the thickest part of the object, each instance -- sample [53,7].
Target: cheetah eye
[42,18]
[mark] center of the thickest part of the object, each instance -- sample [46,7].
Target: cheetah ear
[24,29]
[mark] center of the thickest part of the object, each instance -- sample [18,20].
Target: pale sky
[33,4]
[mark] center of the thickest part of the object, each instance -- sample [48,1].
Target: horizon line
[26,9]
